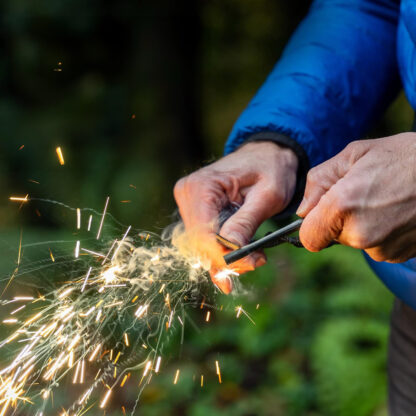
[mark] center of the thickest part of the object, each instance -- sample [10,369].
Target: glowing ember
[60,156]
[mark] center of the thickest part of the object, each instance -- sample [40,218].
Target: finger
[261,202]
[224,284]
[199,203]
[321,178]
[323,224]
[396,248]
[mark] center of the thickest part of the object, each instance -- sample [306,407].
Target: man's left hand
[364,197]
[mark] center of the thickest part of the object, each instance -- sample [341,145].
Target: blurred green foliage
[145,92]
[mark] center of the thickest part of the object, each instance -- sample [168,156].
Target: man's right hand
[259,176]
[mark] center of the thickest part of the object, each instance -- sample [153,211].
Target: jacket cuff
[303,166]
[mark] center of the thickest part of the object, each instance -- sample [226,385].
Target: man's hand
[365,197]
[260,177]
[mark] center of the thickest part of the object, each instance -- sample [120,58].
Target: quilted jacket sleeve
[336,76]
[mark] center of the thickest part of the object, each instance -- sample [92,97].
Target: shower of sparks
[60,156]
[110,320]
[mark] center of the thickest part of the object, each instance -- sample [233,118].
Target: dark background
[140,93]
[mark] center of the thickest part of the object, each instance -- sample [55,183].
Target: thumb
[260,204]
[324,223]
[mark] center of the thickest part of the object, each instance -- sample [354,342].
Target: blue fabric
[338,73]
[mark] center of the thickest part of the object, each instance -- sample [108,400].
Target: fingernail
[233,237]
[301,208]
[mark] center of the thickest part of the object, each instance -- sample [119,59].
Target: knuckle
[313,176]
[271,196]
[244,226]
[179,186]
[352,147]
[379,254]
[338,203]
[359,235]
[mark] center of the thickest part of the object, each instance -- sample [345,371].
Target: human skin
[364,197]
[259,176]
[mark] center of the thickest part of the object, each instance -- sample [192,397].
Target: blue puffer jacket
[338,73]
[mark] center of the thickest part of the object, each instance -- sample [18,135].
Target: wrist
[295,157]
[283,154]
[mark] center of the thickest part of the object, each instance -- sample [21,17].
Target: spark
[226,275]
[208,316]
[202,380]
[9,321]
[117,357]
[94,253]
[147,368]
[158,361]
[95,352]
[124,380]
[71,359]
[105,399]
[20,298]
[33,319]
[89,223]
[121,242]
[60,156]
[74,342]
[102,218]
[81,380]
[141,311]
[78,219]
[175,380]
[86,279]
[240,311]
[19,198]
[52,257]
[197,265]
[126,339]
[77,249]
[18,309]
[65,293]
[217,368]
[76,372]
[109,251]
